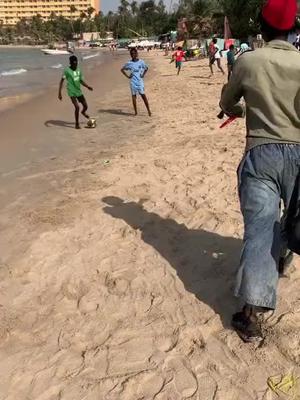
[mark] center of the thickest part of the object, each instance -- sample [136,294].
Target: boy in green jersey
[74,78]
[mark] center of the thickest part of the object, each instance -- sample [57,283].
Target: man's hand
[90,88]
[59,96]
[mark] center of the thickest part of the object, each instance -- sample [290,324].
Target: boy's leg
[134,103]
[144,97]
[220,66]
[82,100]
[75,103]
[179,68]
[229,71]
[211,63]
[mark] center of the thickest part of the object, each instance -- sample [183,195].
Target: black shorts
[81,98]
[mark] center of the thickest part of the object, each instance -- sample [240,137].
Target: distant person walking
[230,60]
[214,55]
[244,48]
[74,78]
[178,56]
[137,70]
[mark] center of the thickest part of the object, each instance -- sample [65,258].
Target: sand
[119,258]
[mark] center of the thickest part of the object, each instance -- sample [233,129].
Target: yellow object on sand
[286,385]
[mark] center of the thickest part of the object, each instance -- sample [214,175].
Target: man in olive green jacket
[269,81]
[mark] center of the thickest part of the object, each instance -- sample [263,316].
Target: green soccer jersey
[73,79]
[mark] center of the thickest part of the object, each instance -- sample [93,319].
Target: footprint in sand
[208,387]
[184,379]
[116,286]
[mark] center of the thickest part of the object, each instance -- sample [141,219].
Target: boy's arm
[145,70]
[61,84]
[123,70]
[85,84]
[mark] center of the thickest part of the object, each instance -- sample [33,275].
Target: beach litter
[284,386]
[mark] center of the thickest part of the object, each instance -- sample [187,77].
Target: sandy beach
[119,248]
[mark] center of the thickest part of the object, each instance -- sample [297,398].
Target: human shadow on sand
[115,112]
[53,122]
[205,262]
[201,77]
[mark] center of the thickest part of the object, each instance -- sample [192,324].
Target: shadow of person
[205,262]
[54,122]
[201,77]
[115,112]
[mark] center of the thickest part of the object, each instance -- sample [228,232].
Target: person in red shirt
[178,56]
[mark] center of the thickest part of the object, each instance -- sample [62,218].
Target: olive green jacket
[269,81]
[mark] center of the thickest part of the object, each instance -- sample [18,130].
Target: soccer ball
[91,123]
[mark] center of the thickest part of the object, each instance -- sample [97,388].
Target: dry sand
[117,283]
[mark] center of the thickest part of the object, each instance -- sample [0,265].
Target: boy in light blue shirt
[137,70]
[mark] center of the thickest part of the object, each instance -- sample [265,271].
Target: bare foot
[77,126]
[149,113]
[85,115]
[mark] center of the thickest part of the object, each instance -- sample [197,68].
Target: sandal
[247,326]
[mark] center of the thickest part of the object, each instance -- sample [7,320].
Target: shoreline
[12,101]
[29,141]
[21,46]
[22,96]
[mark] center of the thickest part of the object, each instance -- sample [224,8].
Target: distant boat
[55,52]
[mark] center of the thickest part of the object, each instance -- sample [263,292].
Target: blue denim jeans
[267,175]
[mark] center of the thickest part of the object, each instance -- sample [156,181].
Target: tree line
[148,18]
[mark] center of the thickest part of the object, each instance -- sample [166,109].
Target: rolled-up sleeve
[232,92]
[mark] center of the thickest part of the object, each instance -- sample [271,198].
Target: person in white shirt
[215,55]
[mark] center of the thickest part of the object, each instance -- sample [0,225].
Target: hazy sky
[107,5]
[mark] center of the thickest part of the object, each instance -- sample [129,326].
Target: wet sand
[119,248]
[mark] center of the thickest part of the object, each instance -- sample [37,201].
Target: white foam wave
[13,72]
[90,56]
[56,66]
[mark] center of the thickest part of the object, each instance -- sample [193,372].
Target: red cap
[280,14]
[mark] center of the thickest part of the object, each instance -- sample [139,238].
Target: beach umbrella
[227,30]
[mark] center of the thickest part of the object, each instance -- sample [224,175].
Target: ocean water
[25,70]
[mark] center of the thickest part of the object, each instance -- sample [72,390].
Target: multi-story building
[11,11]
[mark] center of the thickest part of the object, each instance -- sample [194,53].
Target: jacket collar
[281,44]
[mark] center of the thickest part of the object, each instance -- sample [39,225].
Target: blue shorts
[137,89]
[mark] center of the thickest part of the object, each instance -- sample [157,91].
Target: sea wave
[56,66]
[13,72]
[90,56]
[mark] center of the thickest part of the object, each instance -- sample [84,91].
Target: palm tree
[243,16]
[90,11]
[73,10]
[134,8]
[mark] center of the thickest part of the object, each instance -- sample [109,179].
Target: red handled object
[228,121]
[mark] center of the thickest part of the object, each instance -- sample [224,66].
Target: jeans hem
[256,303]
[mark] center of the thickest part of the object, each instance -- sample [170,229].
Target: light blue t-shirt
[244,47]
[136,69]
